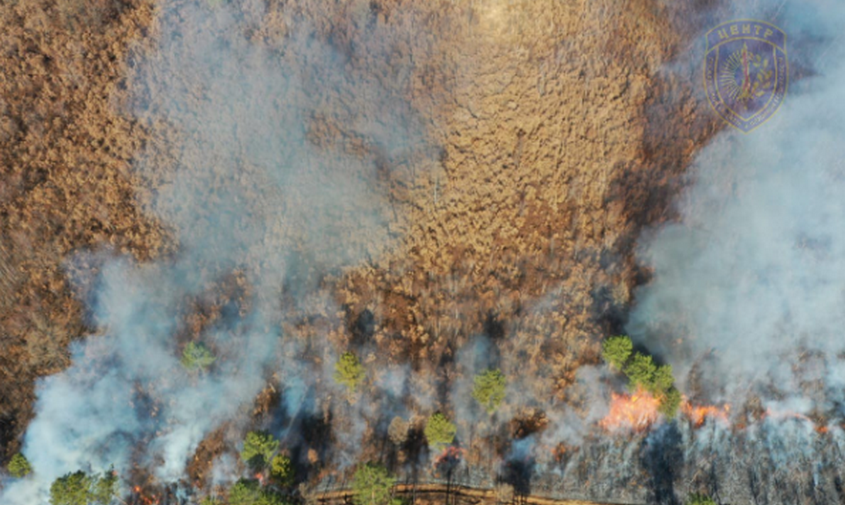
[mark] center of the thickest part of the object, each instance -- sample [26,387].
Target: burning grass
[640,410]
[636,411]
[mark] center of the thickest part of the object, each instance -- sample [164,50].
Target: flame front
[637,411]
[450,453]
[699,413]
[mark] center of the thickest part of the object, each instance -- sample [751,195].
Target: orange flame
[637,411]
[451,452]
[699,413]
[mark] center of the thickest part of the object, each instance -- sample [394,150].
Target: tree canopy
[489,389]
[372,485]
[259,447]
[700,499]
[250,492]
[669,402]
[79,488]
[616,351]
[197,356]
[640,371]
[349,371]
[643,373]
[439,431]
[19,466]
[282,471]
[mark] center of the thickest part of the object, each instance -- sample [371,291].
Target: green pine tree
[372,485]
[616,351]
[439,431]
[489,389]
[670,401]
[250,492]
[640,371]
[700,499]
[197,356]
[662,380]
[71,489]
[19,466]
[282,471]
[259,447]
[349,371]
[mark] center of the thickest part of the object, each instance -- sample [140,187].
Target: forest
[381,252]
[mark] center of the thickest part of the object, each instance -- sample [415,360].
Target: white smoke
[749,285]
[250,193]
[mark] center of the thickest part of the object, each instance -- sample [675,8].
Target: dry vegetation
[521,228]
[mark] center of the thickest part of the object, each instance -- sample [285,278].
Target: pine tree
[349,371]
[372,485]
[19,466]
[439,431]
[640,371]
[616,351]
[197,356]
[259,447]
[489,389]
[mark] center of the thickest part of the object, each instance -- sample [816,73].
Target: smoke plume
[255,194]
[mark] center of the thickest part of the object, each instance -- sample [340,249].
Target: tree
[71,489]
[439,431]
[640,371]
[249,492]
[349,371]
[104,488]
[259,447]
[489,389]
[616,351]
[197,356]
[282,471]
[397,432]
[662,379]
[700,499]
[19,466]
[669,402]
[372,485]
[211,500]
[79,488]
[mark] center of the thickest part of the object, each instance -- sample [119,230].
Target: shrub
[669,402]
[489,389]
[439,431]
[616,351]
[372,485]
[249,492]
[259,447]
[79,488]
[349,371]
[19,466]
[398,431]
[640,371]
[282,471]
[197,356]
[700,499]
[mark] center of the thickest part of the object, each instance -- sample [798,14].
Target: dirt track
[434,493]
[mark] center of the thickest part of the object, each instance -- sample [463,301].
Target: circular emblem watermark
[745,71]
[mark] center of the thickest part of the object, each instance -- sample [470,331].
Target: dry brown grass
[549,164]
